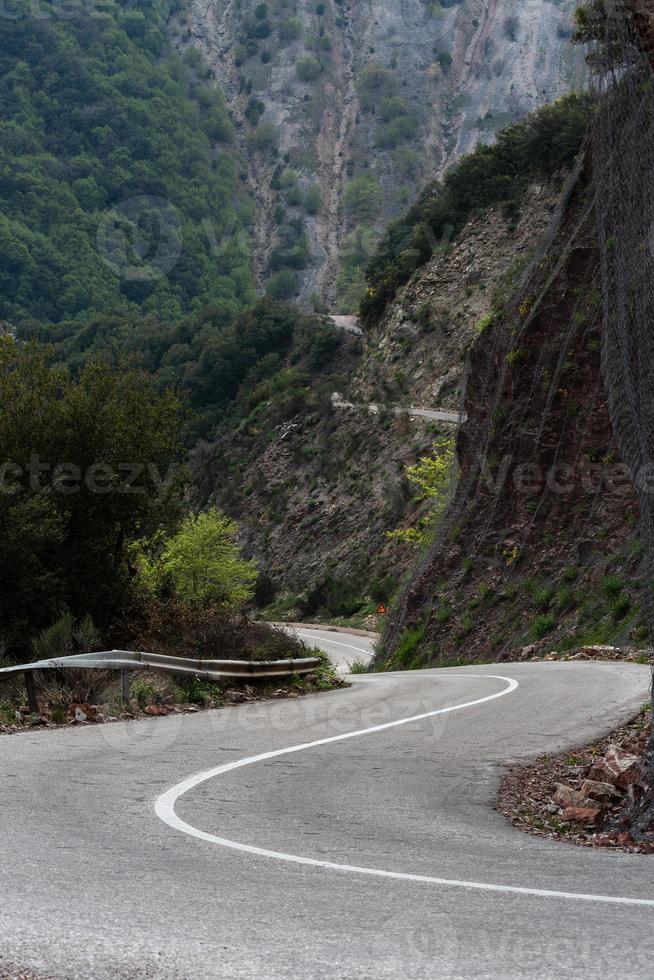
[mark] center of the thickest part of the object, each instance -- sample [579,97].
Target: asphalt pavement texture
[95,884]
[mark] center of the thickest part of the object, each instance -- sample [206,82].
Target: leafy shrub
[408,646]
[383,588]
[290,29]
[308,68]
[620,607]
[433,478]
[374,84]
[543,625]
[334,597]
[56,640]
[565,598]
[400,130]
[186,629]
[484,323]
[200,562]
[144,694]
[193,690]
[445,60]
[391,108]
[265,138]
[313,200]
[612,586]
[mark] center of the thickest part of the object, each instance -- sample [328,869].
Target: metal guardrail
[129,660]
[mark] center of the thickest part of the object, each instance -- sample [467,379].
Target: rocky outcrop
[415,355]
[590,798]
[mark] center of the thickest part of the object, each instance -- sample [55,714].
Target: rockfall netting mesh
[536,392]
[623,168]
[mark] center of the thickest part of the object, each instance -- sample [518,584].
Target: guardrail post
[124,685]
[30,687]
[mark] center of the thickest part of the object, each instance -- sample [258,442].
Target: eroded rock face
[426,330]
[321,75]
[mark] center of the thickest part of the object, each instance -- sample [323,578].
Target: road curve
[361,847]
[344,649]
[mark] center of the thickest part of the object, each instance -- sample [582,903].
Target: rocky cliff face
[345,109]
[539,550]
[416,354]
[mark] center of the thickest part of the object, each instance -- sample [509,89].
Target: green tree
[201,563]
[313,200]
[432,477]
[308,68]
[363,198]
[290,29]
[90,464]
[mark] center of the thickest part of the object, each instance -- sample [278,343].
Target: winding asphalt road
[319,838]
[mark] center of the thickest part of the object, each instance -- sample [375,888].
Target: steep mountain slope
[347,109]
[316,488]
[540,544]
[416,351]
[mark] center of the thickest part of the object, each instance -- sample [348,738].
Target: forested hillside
[119,188]
[224,363]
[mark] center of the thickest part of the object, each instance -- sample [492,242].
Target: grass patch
[542,625]
[193,690]
[409,645]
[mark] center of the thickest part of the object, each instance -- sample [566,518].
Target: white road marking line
[338,643]
[165,810]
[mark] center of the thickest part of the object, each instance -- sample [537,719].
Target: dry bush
[184,629]
[75,685]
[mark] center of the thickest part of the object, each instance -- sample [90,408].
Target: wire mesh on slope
[623,166]
[491,376]
[606,218]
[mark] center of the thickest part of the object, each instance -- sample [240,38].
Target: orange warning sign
[382,610]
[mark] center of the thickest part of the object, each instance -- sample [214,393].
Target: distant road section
[432,415]
[343,649]
[350,324]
